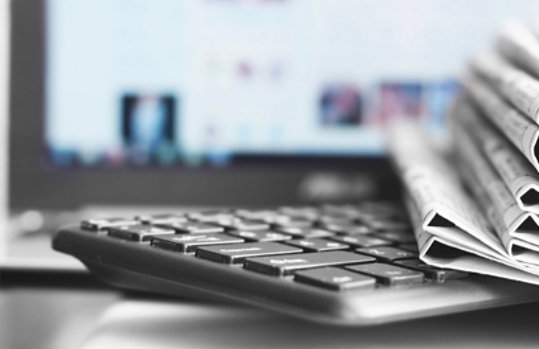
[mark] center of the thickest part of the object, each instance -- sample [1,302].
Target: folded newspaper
[517,228]
[519,129]
[488,231]
[520,45]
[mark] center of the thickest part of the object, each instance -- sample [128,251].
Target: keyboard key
[285,265]
[237,253]
[387,253]
[211,216]
[307,232]
[318,245]
[347,228]
[347,211]
[287,221]
[162,218]
[361,241]
[335,279]
[189,242]
[401,237]
[275,218]
[437,274]
[412,247]
[244,224]
[192,227]
[139,232]
[389,274]
[105,223]
[359,229]
[260,236]
[328,219]
[294,223]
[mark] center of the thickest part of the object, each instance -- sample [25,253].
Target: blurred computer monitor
[224,101]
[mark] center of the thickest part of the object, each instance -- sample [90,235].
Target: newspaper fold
[519,44]
[516,172]
[518,128]
[451,230]
[515,85]
[517,229]
[450,254]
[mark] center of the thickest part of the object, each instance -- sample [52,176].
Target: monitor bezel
[35,183]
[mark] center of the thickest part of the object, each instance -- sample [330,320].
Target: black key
[162,219]
[285,265]
[358,229]
[99,224]
[211,216]
[401,237]
[244,224]
[389,274]
[237,253]
[344,227]
[307,232]
[437,274]
[276,218]
[361,241]
[260,236]
[189,242]
[317,245]
[335,279]
[192,227]
[292,222]
[387,253]
[139,232]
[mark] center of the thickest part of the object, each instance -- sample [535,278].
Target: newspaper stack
[477,209]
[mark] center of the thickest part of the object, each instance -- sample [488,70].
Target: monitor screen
[204,82]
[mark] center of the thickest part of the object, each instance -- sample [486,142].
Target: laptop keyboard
[335,247]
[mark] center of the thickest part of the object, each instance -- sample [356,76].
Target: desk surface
[49,318]
[53,318]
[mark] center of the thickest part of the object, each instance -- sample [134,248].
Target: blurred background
[178,102]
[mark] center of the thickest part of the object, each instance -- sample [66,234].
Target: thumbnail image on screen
[148,128]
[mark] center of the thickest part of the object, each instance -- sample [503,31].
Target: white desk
[49,318]
[134,325]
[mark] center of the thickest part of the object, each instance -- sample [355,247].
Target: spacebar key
[284,265]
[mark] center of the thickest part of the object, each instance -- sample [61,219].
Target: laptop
[118,107]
